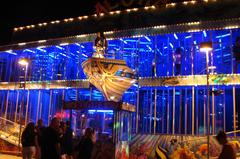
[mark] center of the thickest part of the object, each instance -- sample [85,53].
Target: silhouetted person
[178,60]
[29,141]
[68,141]
[62,130]
[236,53]
[50,141]
[227,149]
[85,146]
[39,128]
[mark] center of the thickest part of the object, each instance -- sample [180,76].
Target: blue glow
[222,36]
[51,63]
[100,111]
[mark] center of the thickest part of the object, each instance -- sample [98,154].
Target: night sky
[22,13]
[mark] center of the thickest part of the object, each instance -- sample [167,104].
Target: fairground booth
[157,81]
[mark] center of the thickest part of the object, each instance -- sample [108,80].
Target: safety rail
[9,131]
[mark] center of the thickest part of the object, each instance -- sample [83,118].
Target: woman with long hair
[29,141]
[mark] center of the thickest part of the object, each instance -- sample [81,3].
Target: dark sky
[22,12]
[15,14]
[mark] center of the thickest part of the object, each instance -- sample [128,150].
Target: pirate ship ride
[111,76]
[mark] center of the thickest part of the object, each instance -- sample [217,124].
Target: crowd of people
[55,141]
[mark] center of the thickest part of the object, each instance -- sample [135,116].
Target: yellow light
[28,26]
[193,2]
[101,14]
[135,9]
[85,17]
[80,18]
[15,29]
[63,44]
[57,21]
[45,24]
[23,62]
[153,7]
[206,46]
[232,27]
[118,12]
[32,26]
[40,24]
[146,8]
[53,22]
[21,28]
[81,36]
[41,41]
[70,19]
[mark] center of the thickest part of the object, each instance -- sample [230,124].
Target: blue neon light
[222,36]
[101,111]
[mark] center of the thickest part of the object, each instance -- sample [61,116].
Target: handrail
[9,130]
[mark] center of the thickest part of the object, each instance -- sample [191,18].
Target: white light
[21,44]
[10,52]
[212,67]
[123,41]
[41,50]
[63,44]
[176,37]
[135,85]
[171,45]
[187,37]
[222,36]
[77,44]
[112,97]
[42,41]
[204,33]
[29,50]
[61,48]
[205,49]
[148,39]
[149,48]
[84,55]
